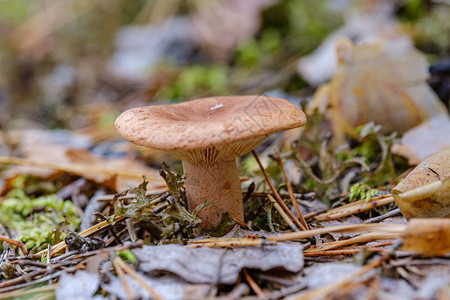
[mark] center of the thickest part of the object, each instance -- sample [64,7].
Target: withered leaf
[427,236]
[217,265]
[425,192]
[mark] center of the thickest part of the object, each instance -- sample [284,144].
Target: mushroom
[208,135]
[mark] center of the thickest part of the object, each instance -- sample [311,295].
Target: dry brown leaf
[425,139]
[428,236]
[425,192]
[117,173]
[379,82]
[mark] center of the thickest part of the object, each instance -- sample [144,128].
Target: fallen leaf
[218,265]
[81,285]
[169,288]
[382,83]
[117,173]
[425,139]
[425,192]
[370,21]
[427,236]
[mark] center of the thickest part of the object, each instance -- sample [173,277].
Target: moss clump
[36,221]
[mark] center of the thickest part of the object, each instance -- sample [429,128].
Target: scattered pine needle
[290,190]
[324,291]
[240,222]
[283,215]
[340,252]
[275,193]
[255,287]
[292,236]
[122,277]
[363,238]
[354,208]
[229,243]
[117,261]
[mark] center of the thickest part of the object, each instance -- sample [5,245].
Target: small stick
[339,252]
[240,222]
[389,214]
[255,287]
[353,204]
[131,230]
[289,187]
[282,213]
[20,279]
[363,238]
[49,262]
[11,294]
[292,236]
[275,193]
[102,225]
[345,210]
[15,243]
[122,278]
[138,278]
[311,214]
[235,243]
[323,291]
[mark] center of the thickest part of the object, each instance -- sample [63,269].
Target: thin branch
[15,243]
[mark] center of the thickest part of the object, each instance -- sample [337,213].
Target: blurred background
[77,64]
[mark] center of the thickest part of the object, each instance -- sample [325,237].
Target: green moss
[36,221]
[361,191]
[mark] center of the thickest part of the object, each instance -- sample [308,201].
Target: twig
[30,283]
[138,278]
[255,287]
[275,193]
[21,279]
[289,187]
[15,243]
[282,213]
[339,252]
[111,229]
[131,230]
[354,208]
[292,236]
[323,291]
[363,238]
[100,226]
[240,222]
[389,214]
[229,243]
[7,295]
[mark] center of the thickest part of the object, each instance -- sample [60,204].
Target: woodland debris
[398,100]
[428,236]
[425,139]
[425,192]
[215,265]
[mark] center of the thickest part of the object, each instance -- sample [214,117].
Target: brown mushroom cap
[209,129]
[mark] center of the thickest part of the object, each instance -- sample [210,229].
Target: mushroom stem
[218,183]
